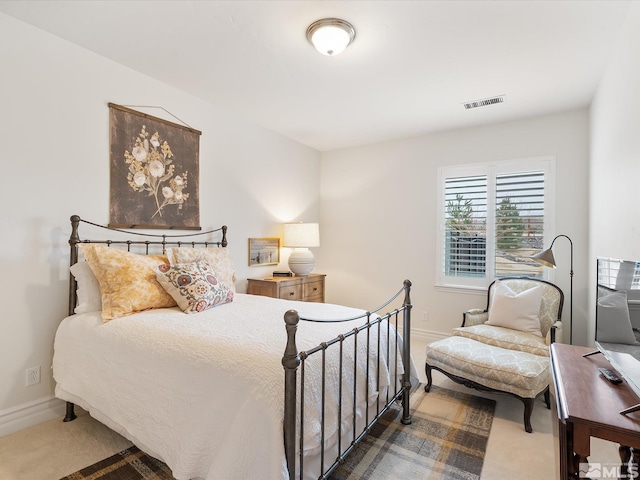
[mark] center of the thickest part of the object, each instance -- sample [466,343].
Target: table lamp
[300,237]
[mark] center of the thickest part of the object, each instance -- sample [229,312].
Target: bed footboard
[396,391]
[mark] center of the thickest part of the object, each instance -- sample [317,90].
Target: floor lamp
[545,257]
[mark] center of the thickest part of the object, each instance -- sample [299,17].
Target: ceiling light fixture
[330,36]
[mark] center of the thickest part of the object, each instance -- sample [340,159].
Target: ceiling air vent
[484,102]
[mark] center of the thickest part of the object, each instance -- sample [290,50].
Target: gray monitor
[618,319]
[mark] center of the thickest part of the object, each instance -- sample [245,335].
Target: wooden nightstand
[307,289]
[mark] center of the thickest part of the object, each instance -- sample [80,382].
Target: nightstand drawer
[307,289]
[313,291]
[290,292]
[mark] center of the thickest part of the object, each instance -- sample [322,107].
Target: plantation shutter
[519,222]
[465,226]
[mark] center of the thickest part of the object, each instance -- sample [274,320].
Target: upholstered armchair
[505,347]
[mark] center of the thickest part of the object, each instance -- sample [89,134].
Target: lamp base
[301,262]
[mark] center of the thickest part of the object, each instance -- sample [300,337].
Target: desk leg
[625,456]
[573,449]
[629,457]
[581,448]
[563,437]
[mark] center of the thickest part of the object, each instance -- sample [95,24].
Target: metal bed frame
[294,361]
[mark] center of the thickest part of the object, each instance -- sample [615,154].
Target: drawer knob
[291,293]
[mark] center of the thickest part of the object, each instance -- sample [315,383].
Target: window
[492,219]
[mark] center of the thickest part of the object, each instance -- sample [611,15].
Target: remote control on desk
[610,375]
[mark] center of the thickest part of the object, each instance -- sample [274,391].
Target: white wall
[378,213]
[614,226]
[54,150]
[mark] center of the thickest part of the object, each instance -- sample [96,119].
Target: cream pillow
[219,258]
[127,281]
[88,289]
[194,286]
[518,311]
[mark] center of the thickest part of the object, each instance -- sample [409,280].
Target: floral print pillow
[194,286]
[219,258]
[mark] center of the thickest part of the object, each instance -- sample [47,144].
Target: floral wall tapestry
[154,172]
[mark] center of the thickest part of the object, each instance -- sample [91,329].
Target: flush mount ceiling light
[330,36]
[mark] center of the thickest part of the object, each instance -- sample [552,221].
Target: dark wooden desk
[589,406]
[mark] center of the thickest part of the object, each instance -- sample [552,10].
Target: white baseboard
[427,336]
[30,414]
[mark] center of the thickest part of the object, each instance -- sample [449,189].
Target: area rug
[446,440]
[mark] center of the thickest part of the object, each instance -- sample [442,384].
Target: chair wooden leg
[528,410]
[547,399]
[427,370]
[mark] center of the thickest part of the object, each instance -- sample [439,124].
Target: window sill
[466,289]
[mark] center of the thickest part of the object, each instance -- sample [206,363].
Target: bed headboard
[148,243]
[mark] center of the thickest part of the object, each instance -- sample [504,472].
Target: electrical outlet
[33,376]
[424,315]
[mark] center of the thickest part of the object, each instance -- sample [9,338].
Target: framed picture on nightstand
[264,251]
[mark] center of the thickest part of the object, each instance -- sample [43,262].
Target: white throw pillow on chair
[518,311]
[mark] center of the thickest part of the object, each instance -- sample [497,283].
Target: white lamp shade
[301,235]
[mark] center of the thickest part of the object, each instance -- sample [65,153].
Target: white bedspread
[204,392]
